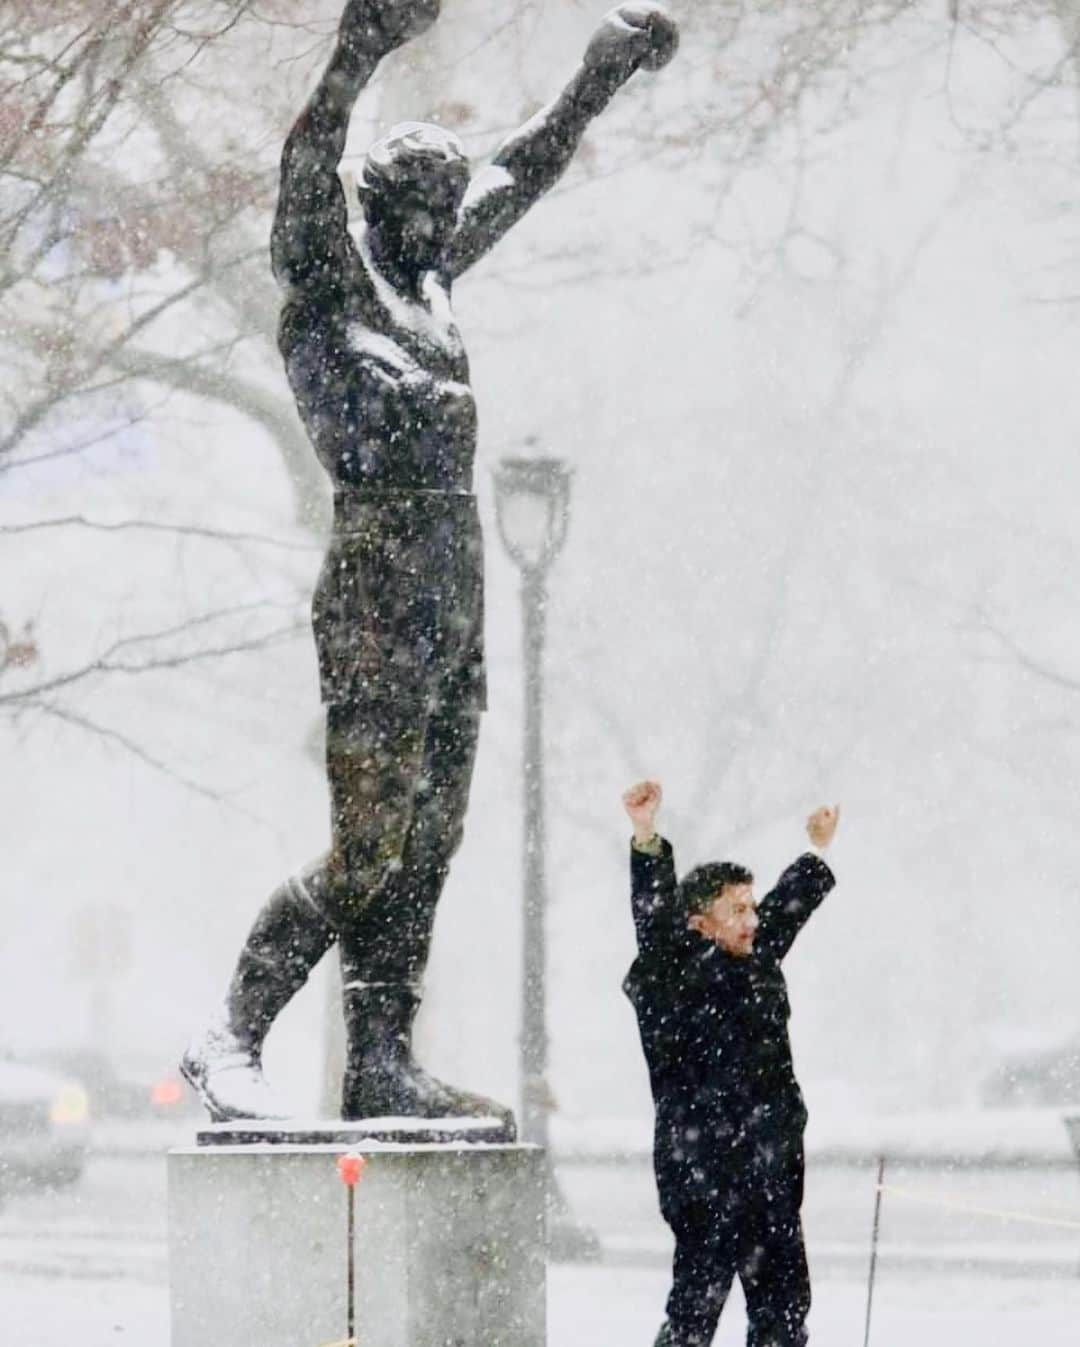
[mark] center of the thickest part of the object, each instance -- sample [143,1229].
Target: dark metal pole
[351,1308]
[547,481]
[873,1248]
[534,1045]
[567,1240]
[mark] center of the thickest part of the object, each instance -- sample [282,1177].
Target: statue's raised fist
[631,36]
[382,25]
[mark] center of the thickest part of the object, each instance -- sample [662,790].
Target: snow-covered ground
[591,1307]
[88,1265]
[620,1305]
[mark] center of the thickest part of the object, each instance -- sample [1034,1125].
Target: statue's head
[411,187]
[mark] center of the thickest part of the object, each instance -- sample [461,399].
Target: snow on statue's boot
[667,1337]
[381,1077]
[224,1064]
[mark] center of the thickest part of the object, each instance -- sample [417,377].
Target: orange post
[351,1168]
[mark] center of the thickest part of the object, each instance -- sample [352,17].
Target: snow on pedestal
[449,1248]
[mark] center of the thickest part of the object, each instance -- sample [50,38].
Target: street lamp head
[532,498]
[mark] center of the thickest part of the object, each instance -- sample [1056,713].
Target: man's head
[411,187]
[718,899]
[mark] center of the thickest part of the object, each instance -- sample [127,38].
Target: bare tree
[135,210]
[123,226]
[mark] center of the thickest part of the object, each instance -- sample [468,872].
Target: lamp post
[532,499]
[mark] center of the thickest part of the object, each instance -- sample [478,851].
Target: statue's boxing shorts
[398,610]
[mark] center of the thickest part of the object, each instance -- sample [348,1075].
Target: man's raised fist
[821,825]
[641,802]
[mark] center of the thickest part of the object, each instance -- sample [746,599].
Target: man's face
[730,920]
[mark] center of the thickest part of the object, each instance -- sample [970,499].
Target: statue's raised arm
[534,157]
[310,243]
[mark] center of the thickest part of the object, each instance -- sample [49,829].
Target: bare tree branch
[143,755]
[1020,656]
[107,663]
[157,526]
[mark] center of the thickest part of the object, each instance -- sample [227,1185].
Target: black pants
[748,1225]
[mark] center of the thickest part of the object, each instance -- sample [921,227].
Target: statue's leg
[224,1064]
[390,939]
[372,764]
[376,719]
[384,953]
[374,758]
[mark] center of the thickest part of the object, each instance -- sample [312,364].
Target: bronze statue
[381,380]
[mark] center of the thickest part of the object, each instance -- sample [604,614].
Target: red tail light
[166,1092]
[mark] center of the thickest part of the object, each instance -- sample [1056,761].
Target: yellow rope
[951,1204]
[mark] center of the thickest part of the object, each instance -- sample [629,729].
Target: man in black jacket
[712,1009]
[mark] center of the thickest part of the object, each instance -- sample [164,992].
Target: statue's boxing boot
[381,1077]
[224,1064]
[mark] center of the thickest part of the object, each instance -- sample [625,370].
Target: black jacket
[714,1027]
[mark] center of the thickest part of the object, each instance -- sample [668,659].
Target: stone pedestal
[449,1245]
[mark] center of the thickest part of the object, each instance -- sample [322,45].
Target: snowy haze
[817,386]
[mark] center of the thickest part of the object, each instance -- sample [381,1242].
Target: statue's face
[414,216]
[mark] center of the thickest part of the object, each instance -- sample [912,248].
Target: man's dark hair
[701,885]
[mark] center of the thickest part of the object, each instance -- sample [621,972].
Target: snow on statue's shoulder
[494,178]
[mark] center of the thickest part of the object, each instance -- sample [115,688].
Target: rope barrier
[954,1204]
[947,1204]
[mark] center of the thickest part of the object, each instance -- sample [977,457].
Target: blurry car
[1044,1076]
[44,1125]
[131,1093]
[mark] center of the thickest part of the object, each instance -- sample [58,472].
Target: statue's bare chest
[384,380]
[414,361]
[413,335]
